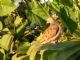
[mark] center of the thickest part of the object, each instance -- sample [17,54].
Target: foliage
[21,25]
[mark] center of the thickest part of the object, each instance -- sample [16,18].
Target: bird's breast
[50,32]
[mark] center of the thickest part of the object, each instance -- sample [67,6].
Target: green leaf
[34,19]
[38,10]
[74,13]
[75,55]
[66,2]
[54,6]
[1,25]
[6,29]
[23,48]
[14,57]
[32,51]
[18,21]
[6,7]
[37,57]
[36,14]
[60,46]
[66,13]
[6,41]
[70,24]
[26,58]
[2,54]
[61,51]
[67,53]
[20,30]
[49,55]
[9,21]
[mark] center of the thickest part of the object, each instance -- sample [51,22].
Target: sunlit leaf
[23,48]
[1,25]
[6,29]
[6,41]
[6,7]
[36,13]
[32,51]
[21,19]
[20,30]
[38,10]
[14,57]
[54,6]
[18,21]
[9,21]
[26,58]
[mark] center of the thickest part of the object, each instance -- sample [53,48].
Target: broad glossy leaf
[36,13]
[56,50]
[62,51]
[75,56]
[6,41]
[60,46]
[6,7]
[49,55]
[67,53]
[38,10]
[54,6]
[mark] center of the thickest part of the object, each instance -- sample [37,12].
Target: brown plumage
[50,34]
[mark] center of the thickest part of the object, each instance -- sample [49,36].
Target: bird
[51,34]
[53,31]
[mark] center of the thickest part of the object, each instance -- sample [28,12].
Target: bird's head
[52,19]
